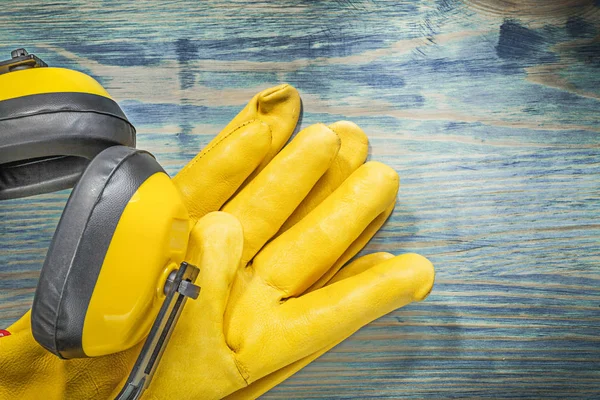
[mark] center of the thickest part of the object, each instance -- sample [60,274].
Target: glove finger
[244,146]
[279,107]
[270,198]
[353,153]
[338,310]
[262,385]
[355,247]
[216,243]
[216,173]
[316,242]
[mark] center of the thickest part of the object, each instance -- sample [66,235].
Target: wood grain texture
[489,110]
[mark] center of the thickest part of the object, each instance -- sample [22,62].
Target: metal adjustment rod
[20,60]
[179,286]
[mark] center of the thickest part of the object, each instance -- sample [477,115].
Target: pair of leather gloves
[274,294]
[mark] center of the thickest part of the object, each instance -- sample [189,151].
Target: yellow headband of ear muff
[123,230]
[53,121]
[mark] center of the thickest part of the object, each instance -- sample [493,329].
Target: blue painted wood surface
[489,110]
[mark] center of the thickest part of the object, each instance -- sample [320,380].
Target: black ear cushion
[80,243]
[40,175]
[47,140]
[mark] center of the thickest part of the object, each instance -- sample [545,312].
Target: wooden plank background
[488,109]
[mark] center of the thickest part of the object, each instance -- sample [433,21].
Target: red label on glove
[4,333]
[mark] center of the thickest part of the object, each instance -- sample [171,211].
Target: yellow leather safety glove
[276,319]
[273,314]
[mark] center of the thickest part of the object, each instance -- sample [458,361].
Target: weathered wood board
[489,110]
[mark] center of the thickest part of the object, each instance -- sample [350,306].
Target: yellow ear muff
[123,228]
[114,273]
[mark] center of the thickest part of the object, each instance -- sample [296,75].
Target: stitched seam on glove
[243,371]
[186,169]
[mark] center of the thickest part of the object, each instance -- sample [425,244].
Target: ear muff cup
[80,243]
[48,139]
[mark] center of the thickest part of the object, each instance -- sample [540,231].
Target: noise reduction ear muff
[53,122]
[123,230]
[115,273]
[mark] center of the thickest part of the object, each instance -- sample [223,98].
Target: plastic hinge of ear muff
[178,288]
[20,59]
